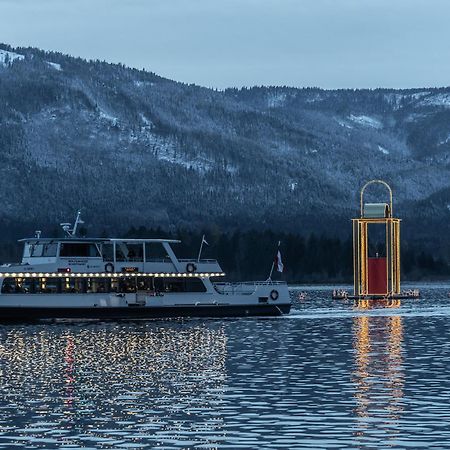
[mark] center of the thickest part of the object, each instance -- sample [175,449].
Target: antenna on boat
[38,233]
[201,248]
[78,221]
[66,226]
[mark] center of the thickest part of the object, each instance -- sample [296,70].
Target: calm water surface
[333,374]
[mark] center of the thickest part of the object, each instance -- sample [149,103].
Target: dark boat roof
[97,240]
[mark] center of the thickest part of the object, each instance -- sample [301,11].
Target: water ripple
[331,375]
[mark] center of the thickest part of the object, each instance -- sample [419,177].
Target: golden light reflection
[69,359]
[165,378]
[364,303]
[378,376]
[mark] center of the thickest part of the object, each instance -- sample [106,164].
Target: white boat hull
[142,305]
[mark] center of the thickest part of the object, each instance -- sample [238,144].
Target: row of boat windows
[124,252]
[66,250]
[99,285]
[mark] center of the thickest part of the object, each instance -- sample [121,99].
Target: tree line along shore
[248,255]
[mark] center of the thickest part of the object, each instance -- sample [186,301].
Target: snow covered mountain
[131,147]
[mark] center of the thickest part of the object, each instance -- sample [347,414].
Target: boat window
[97,285]
[49,249]
[48,286]
[179,285]
[155,251]
[108,252]
[146,284]
[114,285]
[36,250]
[127,285]
[18,286]
[73,285]
[135,252]
[129,252]
[26,285]
[9,286]
[88,250]
[194,285]
[173,285]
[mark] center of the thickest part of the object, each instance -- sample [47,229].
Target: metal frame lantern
[377,276]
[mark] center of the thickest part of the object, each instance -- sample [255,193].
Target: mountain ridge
[134,148]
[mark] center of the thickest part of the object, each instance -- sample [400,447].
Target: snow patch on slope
[414,117]
[445,141]
[342,123]
[276,99]
[55,66]
[366,121]
[166,150]
[418,95]
[383,150]
[437,100]
[139,83]
[148,124]
[6,58]
[314,98]
[108,118]
[395,99]
[172,155]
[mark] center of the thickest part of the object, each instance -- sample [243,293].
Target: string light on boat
[108,275]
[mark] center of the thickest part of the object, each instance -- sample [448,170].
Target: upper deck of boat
[110,255]
[79,254]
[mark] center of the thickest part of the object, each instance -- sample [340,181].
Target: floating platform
[344,295]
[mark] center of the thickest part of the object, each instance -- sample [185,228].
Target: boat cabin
[102,265]
[110,256]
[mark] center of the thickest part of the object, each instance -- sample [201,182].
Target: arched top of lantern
[376,210]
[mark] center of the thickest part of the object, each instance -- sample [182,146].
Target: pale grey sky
[326,43]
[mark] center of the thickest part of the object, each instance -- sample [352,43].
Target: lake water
[332,374]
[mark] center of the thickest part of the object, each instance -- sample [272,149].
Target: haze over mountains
[132,148]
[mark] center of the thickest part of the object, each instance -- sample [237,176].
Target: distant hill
[133,148]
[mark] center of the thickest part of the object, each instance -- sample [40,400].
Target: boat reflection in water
[378,375]
[115,384]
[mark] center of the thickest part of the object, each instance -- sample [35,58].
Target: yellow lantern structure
[376,276]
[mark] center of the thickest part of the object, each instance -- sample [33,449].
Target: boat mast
[72,232]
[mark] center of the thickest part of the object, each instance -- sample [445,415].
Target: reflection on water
[330,375]
[377,303]
[378,374]
[111,384]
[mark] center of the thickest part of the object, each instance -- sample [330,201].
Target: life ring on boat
[191,267]
[109,267]
[274,294]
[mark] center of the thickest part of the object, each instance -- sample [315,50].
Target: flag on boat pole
[276,261]
[279,262]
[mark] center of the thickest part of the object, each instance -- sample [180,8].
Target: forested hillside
[132,148]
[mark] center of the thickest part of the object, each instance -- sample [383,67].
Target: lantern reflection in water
[378,376]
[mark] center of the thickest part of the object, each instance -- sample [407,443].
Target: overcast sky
[326,43]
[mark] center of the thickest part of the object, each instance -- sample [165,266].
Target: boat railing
[244,288]
[167,260]
[147,260]
[210,261]
[252,283]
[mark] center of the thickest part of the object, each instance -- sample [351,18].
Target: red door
[377,276]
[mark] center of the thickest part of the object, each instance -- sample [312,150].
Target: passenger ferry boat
[86,278]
